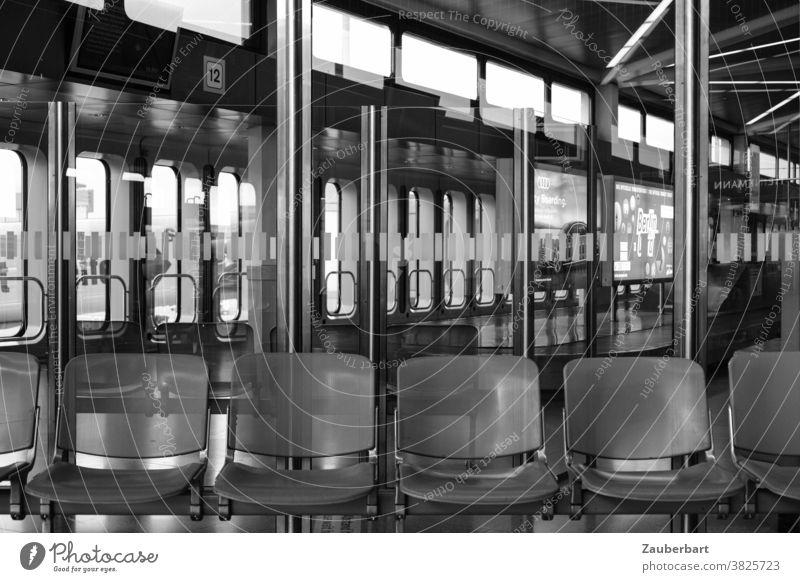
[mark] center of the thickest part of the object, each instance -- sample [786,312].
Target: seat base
[702,482]
[531,484]
[780,480]
[65,483]
[299,492]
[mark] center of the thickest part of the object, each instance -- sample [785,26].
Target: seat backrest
[302,405]
[19,392]
[109,337]
[219,344]
[335,339]
[635,408]
[469,407]
[765,399]
[136,406]
[419,340]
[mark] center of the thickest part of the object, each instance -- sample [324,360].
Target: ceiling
[577,36]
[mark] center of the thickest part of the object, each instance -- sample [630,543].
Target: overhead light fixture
[651,21]
[773,108]
[753,48]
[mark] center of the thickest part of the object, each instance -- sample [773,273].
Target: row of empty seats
[132,434]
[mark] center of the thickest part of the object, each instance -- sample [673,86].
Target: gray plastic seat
[419,340]
[309,407]
[627,410]
[19,393]
[219,344]
[465,427]
[132,436]
[765,406]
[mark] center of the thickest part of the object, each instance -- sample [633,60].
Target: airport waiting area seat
[469,434]
[19,415]
[131,438]
[765,433]
[301,437]
[219,344]
[407,341]
[642,429]
[111,337]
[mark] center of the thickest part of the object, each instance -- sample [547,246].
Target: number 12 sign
[214,75]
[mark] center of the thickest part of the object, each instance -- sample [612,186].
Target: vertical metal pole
[520,256]
[691,184]
[691,176]
[295,188]
[293,29]
[61,274]
[592,254]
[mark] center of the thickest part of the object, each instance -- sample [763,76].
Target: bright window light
[660,133]
[434,67]
[720,152]
[568,105]
[766,164]
[629,122]
[783,169]
[513,90]
[351,41]
[93,4]
[229,21]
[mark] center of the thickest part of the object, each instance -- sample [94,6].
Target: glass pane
[660,133]
[354,42]
[434,67]
[224,210]
[12,293]
[91,218]
[163,203]
[229,21]
[568,105]
[630,124]
[514,90]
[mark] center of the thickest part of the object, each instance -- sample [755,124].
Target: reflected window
[629,123]
[230,21]
[568,105]
[660,133]
[393,266]
[162,273]
[720,152]
[767,165]
[485,226]
[351,41]
[419,220]
[513,89]
[435,67]
[92,194]
[224,209]
[13,292]
[339,277]
[454,214]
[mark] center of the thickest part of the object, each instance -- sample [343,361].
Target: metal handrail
[155,282]
[478,275]
[239,275]
[324,290]
[109,278]
[450,271]
[42,327]
[430,277]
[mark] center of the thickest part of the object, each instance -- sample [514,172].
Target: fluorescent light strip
[654,17]
[773,108]
[753,48]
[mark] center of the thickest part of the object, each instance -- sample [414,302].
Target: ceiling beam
[723,39]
